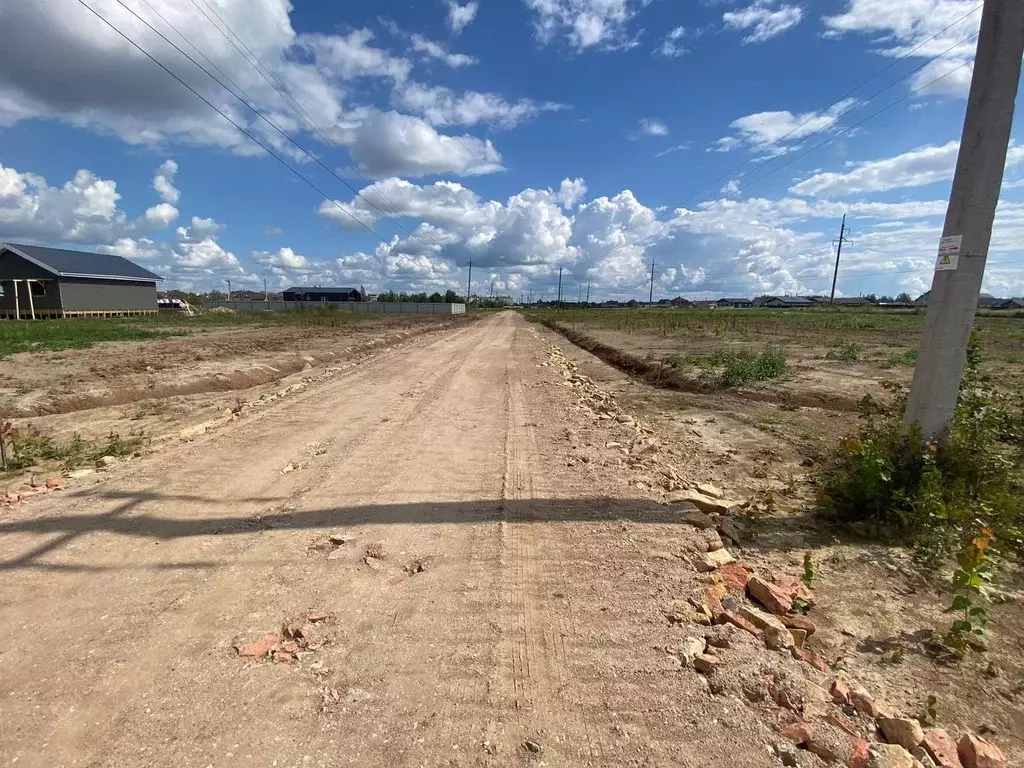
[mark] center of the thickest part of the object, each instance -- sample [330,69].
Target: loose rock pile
[842,725]
[300,636]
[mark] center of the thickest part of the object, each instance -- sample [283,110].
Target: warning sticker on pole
[949,253]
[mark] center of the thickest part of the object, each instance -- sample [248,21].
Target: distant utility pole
[559,286]
[229,289]
[839,252]
[266,295]
[650,301]
[588,291]
[967,232]
[492,289]
[469,281]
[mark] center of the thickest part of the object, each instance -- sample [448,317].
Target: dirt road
[510,611]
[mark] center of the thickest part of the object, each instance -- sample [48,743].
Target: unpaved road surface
[537,615]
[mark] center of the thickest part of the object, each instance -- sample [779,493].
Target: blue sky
[719,138]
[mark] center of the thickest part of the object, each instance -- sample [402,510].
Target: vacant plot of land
[769,393]
[463,551]
[75,387]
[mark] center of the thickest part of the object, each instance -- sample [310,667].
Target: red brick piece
[259,649]
[738,621]
[840,692]
[859,759]
[975,752]
[811,658]
[794,587]
[842,724]
[800,622]
[55,482]
[735,577]
[770,596]
[941,748]
[706,664]
[799,732]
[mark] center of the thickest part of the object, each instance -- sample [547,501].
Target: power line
[666,225]
[654,227]
[858,123]
[208,103]
[253,60]
[814,115]
[249,103]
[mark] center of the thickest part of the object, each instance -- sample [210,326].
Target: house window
[38,289]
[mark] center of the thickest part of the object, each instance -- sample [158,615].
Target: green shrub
[28,447]
[728,368]
[938,496]
[848,353]
[900,358]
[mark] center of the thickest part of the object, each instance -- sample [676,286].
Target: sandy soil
[205,360]
[504,586]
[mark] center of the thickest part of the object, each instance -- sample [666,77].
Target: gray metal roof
[736,301]
[65,263]
[792,299]
[320,289]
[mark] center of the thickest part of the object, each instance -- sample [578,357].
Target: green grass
[786,325]
[56,335]
[28,447]
[710,322]
[908,357]
[729,368]
[847,353]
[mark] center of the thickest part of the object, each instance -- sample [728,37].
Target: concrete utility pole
[266,294]
[588,291]
[469,281]
[967,232]
[559,286]
[229,289]
[839,251]
[650,301]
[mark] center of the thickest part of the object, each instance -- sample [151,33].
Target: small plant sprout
[970,585]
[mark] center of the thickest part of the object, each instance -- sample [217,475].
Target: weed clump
[941,497]
[29,447]
[728,368]
[847,353]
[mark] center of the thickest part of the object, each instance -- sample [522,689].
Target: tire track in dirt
[241,553]
[537,634]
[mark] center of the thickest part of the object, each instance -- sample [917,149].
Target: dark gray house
[733,303]
[787,302]
[322,294]
[39,282]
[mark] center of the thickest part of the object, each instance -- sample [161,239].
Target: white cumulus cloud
[915,168]
[764,129]
[461,15]
[919,28]
[586,23]
[390,143]
[163,182]
[765,20]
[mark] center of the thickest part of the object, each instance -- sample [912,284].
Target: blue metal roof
[65,263]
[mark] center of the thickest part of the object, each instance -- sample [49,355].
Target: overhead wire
[252,105]
[240,128]
[250,57]
[654,228]
[821,112]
